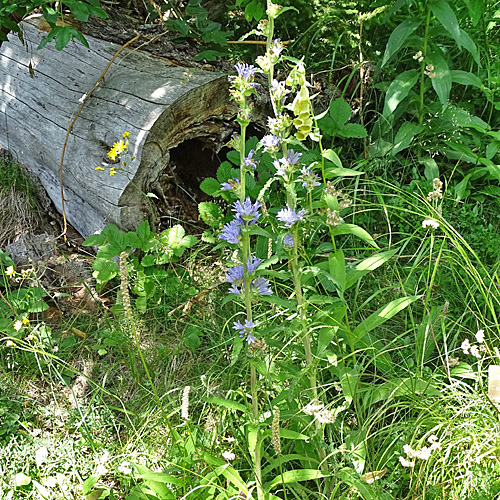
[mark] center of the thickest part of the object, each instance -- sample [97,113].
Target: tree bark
[160,105]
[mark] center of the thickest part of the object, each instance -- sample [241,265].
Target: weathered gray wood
[160,105]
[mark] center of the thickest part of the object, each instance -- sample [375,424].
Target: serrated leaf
[398,38]
[398,90]
[94,240]
[352,130]
[210,186]
[210,213]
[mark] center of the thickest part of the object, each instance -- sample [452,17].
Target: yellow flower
[10,271]
[126,134]
[99,168]
[112,154]
[25,321]
[112,171]
[120,147]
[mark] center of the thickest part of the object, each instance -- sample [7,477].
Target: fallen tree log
[160,105]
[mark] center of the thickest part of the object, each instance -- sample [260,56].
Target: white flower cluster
[473,349]
[320,413]
[423,453]
[430,223]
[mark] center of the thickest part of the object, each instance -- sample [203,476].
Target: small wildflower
[437,185]
[10,271]
[474,351]
[417,55]
[231,232]
[247,211]
[453,362]
[261,286]
[309,178]
[112,171]
[480,336]
[288,241]
[251,339]
[406,463]
[270,142]
[277,47]
[99,168]
[430,223]
[18,325]
[244,329]
[228,456]
[465,346]
[9,343]
[245,71]
[289,216]
[126,135]
[249,161]
[185,403]
[230,185]
[333,217]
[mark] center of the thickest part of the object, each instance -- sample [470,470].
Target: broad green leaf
[89,484]
[94,239]
[398,90]
[446,16]
[331,155]
[340,112]
[381,316]
[336,263]
[210,186]
[341,172]
[352,130]
[226,403]
[156,481]
[295,476]
[398,38]
[233,477]
[210,213]
[278,462]
[368,265]
[476,10]
[405,136]
[431,170]
[354,230]
[470,46]
[442,81]
[365,491]
[143,231]
[465,78]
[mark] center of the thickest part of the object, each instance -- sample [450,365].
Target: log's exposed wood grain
[160,105]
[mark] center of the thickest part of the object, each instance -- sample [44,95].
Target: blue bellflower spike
[290,216]
[231,232]
[247,211]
